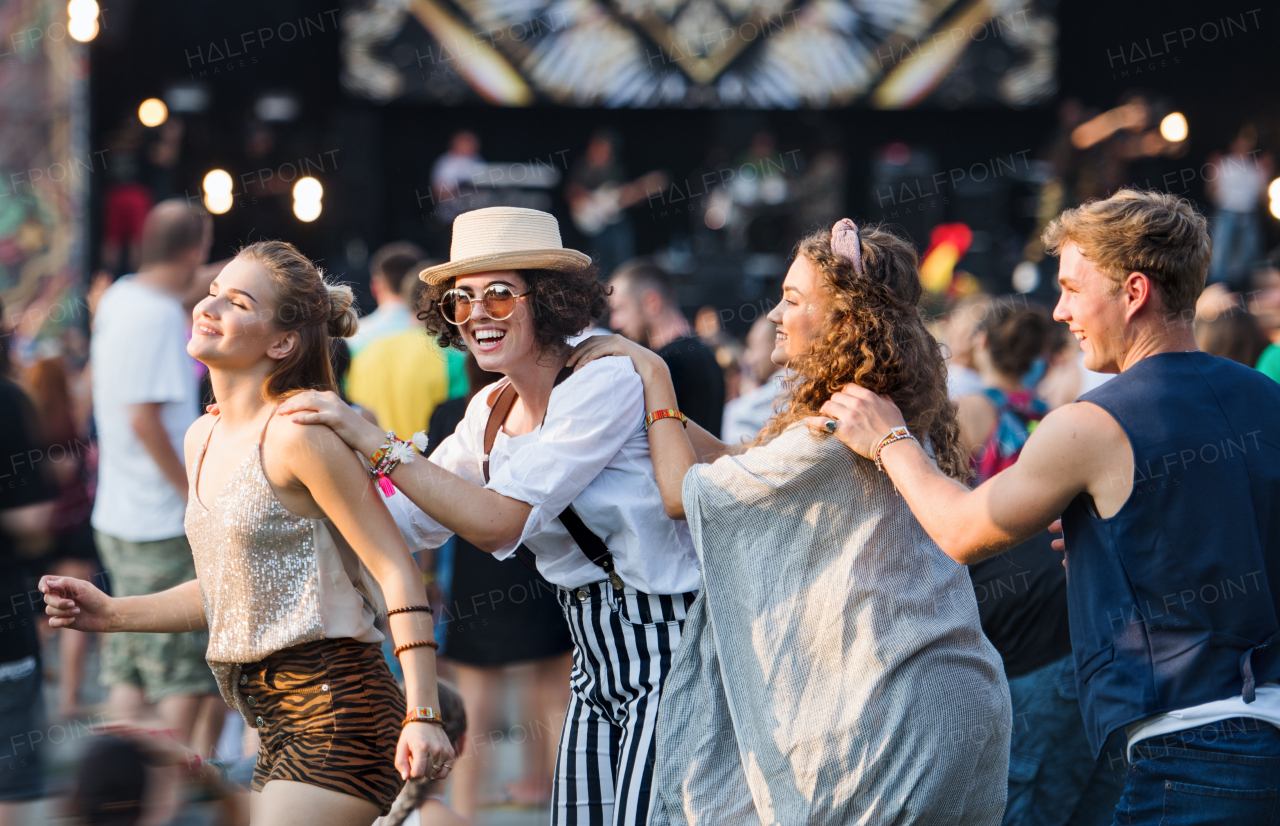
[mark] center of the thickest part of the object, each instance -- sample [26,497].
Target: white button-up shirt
[592,450]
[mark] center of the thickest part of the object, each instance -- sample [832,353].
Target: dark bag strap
[592,546]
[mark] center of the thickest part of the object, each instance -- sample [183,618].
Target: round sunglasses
[498,300]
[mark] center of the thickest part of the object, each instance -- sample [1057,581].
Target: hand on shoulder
[644,361]
[299,446]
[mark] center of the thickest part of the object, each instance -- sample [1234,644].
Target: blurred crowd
[96,415]
[104,423]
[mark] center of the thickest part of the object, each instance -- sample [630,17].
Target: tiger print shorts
[328,714]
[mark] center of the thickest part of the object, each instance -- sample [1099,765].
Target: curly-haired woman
[531,445]
[833,669]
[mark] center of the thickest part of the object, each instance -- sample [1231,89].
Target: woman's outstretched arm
[322,464]
[82,606]
[486,519]
[672,448]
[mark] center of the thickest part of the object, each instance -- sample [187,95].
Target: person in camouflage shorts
[160,665]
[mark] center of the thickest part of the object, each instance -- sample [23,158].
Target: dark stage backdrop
[341,61]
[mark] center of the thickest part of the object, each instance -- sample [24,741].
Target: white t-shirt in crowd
[592,451]
[139,355]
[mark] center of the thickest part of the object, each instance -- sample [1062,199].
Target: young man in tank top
[1167,482]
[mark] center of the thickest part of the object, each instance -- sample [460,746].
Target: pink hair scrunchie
[846,243]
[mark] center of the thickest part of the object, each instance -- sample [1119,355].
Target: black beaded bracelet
[411,608]
[400,649]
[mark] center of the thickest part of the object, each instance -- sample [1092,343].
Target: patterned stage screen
[759,54]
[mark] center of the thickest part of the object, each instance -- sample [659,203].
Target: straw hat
[505,238]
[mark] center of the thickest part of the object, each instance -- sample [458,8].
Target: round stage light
[218,180]
[83,29]
[1174,127]
[77,9]
[82,20]
[307,193]
[1026,277]
[306,211]
[217,191]
[308,189]
[153,112]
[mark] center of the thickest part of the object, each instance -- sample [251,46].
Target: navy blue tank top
[1173,601]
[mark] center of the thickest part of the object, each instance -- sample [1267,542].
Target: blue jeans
[1226,773]
[1053,777]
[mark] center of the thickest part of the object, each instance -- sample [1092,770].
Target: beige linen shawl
[833,670]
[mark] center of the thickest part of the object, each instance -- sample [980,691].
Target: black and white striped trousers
[624,642]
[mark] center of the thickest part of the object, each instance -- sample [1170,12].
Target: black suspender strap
[592,546]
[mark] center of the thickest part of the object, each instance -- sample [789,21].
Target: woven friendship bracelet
[666,413]
[393,452]
[381,452]
[432,644]
[410,609]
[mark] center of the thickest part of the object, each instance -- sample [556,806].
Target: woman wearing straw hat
[530,446]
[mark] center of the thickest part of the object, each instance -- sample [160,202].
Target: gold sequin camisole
[269,579]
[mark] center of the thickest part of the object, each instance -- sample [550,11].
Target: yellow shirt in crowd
[401,378]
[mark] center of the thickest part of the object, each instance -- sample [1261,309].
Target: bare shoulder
[1083,423]
[197,433]
[1077,444]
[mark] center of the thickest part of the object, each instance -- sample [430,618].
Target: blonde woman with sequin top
[286,528]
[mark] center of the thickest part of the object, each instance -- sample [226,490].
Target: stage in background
[761,54]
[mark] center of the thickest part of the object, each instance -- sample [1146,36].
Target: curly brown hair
[875,336]
[564,304]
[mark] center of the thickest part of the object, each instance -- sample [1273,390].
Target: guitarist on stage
[599,195]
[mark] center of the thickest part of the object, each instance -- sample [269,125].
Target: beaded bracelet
[411,608]
[400,649]
[895,435]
